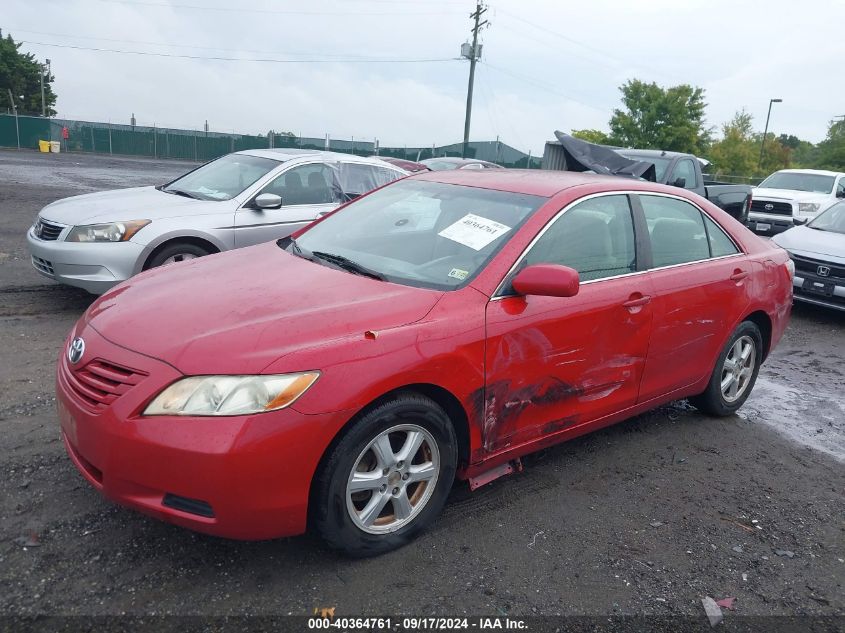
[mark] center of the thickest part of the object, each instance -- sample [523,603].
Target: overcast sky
[546,64]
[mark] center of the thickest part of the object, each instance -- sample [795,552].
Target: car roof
[283,154]
[820,172]
[538,182]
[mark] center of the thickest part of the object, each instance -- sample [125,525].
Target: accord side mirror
[547,280]
[680,182]
[268,201]
[840,193]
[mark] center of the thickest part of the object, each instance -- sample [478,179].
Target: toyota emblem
[75,350]
[769,206]
[823,271]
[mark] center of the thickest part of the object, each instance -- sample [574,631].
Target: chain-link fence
[156,142]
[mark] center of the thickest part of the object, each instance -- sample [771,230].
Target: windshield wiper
[346,264]
[179,192]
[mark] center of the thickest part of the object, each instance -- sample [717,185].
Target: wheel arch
[443,397]
[202,242]
[764,322]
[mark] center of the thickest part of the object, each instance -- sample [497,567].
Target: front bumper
[766,224]
[245,477]
[95,267]
[822,291]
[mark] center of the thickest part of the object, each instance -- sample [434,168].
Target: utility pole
[472,54]
[44,103]
[15,112]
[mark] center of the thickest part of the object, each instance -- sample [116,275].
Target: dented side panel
[556,363]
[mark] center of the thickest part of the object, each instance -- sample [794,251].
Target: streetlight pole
[766,130]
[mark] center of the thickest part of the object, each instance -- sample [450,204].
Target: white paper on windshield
[474,231]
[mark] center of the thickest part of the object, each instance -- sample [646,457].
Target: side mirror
[547,280]
[840,193]
[268,201]
[680,182]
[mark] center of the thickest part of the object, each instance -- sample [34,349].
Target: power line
[210,48]
[242,59]
[193,7]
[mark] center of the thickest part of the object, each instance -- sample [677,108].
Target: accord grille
[48,231]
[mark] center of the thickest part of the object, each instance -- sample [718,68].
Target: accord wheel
[387,478]
[176,252]
[735,372]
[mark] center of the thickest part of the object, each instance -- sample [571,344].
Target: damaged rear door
[553,363]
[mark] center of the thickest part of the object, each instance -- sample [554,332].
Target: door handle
[637,301]
[739,275]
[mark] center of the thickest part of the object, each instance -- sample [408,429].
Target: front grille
[778,208]
[809,265]
[48,231]
[43,265]
[100,383]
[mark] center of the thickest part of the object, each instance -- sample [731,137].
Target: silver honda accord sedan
[97,240]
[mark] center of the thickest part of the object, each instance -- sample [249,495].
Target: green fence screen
[130,140]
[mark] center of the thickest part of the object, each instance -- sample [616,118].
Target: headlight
[111,232]
[230,395]
[808,207]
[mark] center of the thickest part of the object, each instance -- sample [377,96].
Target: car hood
[803,240]
[137,203]
[238,311]
[788,195]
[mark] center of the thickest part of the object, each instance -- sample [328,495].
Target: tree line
[673,119]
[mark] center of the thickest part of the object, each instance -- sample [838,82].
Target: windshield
[660,164]
[222,179]
[816,183]
[832,220]
[418,233]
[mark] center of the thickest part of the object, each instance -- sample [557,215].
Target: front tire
[387,478]
[735,372]
[176,252]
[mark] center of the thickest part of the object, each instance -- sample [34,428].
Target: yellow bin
[44,146]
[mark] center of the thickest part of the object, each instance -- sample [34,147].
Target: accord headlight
[808,207]
[230,395]
[111,232]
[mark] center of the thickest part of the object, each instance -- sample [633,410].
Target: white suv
[793,196]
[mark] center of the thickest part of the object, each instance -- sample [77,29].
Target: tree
[661,118]
[19,72]
[591,136]
[831,151]
[735,153]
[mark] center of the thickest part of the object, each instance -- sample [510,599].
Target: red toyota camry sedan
[438,328]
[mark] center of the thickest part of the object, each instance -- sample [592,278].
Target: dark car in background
[411,166]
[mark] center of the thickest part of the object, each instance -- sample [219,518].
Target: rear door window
[676,229]
[359,178]
[720,244]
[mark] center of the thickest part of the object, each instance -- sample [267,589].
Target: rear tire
[387,478]
[177,252]
[735,372]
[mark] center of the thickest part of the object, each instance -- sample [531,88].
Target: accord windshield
[815,183]
[418,233]
[222,179]
[832,220]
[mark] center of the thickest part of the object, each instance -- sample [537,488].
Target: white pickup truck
[793,196]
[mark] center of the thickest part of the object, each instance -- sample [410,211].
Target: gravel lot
[643,518]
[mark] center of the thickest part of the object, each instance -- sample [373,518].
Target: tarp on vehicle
[583,156]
